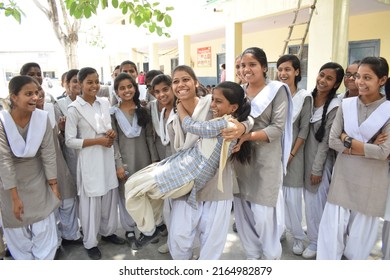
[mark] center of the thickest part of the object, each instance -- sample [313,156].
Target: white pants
[37,241]
[346,232]
[68,220]
[210,222]
[259,228]
[127,221]
[98,215]
[386,240]
[293,211]
[314,206]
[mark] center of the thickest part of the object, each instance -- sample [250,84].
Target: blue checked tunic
[191,164]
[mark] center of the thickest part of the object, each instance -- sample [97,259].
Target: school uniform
[351,217]
[161,136]
[97,183]
[134,149]
[28,161]
[67,212]
[258,207]
[293,180]
[319,161]
[184,172]
[211,217]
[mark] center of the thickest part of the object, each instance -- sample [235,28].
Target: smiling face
[164,94]
[90,86]
[73,87]
[287,73]
[126,90]
[27,97]
[183,85]
[220,105]
[326,81]
[252,70]
[368,83]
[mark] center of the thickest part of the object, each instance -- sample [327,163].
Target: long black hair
[142,113]
[332,93]
[235,94]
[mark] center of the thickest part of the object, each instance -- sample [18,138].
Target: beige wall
[372,26]
[362,27]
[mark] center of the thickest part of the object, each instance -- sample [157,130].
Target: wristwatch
[348,142]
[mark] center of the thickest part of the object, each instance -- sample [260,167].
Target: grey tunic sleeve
[305,115]
[117,153]
[150,142]
[335,132]
[49,153]
[7,168]
[323,147]
[275,129]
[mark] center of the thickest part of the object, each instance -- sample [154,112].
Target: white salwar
[315,203]
[258,224]
[349,232]
[98,215]
[37,241]
[211,218]
[293,211]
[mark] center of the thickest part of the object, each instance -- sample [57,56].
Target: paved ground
[232,251]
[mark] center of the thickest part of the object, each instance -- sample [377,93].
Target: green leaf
[169,9]
[114,3]
[167,35]
[72,9]
[155,4]
[87,12]
[138,21]
[167,20]
[124,10]
[78,13]
[159,30]
[16,14]
[152,28]
[160,17]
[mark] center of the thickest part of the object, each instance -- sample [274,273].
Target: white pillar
[154,63]
[233,42]
[184,43]
[328,37]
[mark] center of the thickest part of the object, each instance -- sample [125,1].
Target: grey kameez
[29,176]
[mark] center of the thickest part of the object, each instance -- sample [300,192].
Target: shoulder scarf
[35,133]
[164,136]
[101,123]
[129,130]
[261,102]
[335,102]
[370,126]
[298,100]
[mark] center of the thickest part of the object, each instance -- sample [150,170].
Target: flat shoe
[114,239]
[94,253]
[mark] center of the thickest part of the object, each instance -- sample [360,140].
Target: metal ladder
[294,23]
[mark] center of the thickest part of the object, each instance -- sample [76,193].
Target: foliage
[11,9]
[141,12]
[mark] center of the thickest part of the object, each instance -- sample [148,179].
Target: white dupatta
[370,126]
[35,134]
[261,102]
[129,130]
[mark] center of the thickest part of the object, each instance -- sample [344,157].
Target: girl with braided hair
[319,159]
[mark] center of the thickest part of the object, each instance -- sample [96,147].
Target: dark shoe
[67,242]
[234,227]
[130,238]
[94,253]
[145,239]
[57,255]
[7,253]
[163,230]
[114,239]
